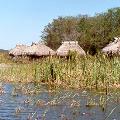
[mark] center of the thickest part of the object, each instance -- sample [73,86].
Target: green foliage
[95,31]
[72,55]
[79,72]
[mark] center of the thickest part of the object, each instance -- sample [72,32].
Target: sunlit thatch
[18,50]
[39,49]
[113,48]
[67,46]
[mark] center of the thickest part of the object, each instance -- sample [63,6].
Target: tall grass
[77,72]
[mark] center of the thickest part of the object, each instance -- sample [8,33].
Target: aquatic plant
[91,103]
[92,72]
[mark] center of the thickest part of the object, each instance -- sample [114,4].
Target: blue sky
[21,21]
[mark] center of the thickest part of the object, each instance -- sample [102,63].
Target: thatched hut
[38,50]
[112,48]
[67,46]
[18,50]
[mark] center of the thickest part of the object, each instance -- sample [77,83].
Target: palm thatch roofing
[39,49]
[67,46]
[18,50]
[113,47]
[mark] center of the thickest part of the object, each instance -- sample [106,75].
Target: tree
[92,33]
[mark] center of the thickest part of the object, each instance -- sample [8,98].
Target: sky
[22,21]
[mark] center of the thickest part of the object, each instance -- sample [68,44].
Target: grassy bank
[88,72]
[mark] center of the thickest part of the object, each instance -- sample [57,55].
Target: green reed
[76,72]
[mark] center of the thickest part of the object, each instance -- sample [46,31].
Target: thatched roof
[18,50]
[113,47]
[69,46]
[39,49]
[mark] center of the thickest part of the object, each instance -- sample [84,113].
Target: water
[20,102]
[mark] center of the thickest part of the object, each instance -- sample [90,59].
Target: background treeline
[92,33]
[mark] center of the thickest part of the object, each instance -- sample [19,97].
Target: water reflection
[30,102]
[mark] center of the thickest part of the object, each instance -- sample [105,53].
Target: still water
[37,102]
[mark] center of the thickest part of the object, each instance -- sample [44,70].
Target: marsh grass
[4,57]
[93,72]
